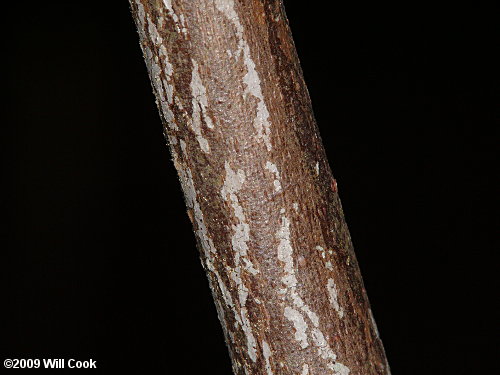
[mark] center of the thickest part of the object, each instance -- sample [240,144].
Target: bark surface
[258,187]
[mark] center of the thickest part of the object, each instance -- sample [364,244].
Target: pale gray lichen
[199,104]
[266,352]
[285,254]
[333,295]
[251,78]
[233,183]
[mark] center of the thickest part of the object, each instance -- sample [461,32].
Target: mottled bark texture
[258,187]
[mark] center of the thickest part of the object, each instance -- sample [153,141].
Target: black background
[98,257]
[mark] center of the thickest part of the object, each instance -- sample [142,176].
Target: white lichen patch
[183,147]
[333,295]
[271,167]
[305,369]
[168,5]
[295,206]
[199,103]
[241,316]
[340,369]
[226,295]
[168,87]
[169,70]
[327,353]
[153,33]
[245,321]
[153,63]
[172,140]
[199,93]
[299,324]
[316,168]
[324,349]
[201,231]
[233,183]
[179,23]
[251,78]
[169,91]
[183,24]
[302,331]
[161,21]
[322,251]
[187,183]
[266,352]
[374,323]
[154,70]
[285,253]
[141,15]
[178,103]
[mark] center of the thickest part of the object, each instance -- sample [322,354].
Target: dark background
[98,257]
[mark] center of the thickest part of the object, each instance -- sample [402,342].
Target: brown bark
[258,187]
